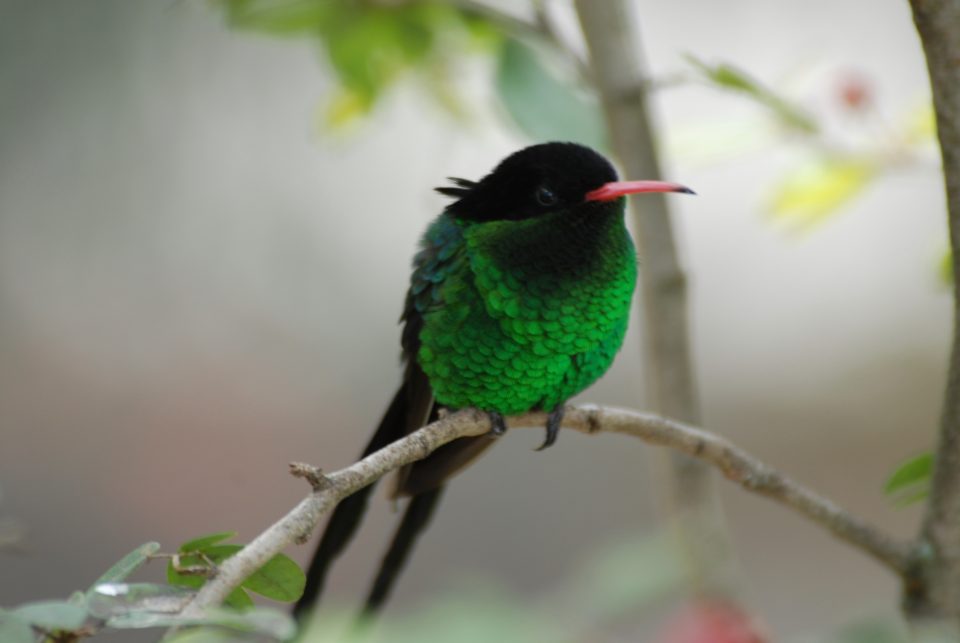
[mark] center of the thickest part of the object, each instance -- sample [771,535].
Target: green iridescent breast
[521,315]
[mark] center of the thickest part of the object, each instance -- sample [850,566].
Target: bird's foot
[554,420]
[498,425]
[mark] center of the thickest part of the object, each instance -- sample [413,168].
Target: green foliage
[111,603]
[730,78]
[14,629]
[279,579]
[370,46]
[945,268]
[72,614]
[544,103]
[52,615]
[201,543]
[833,175]
[122,569]
[910,481]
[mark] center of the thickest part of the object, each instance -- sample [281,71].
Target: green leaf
[910,481]
[122,569]
[215,554]
[916,469]
[736,80]
[280,579]
[203,542]
[239,599]
[809,194]
[14,629]
[545,106]
[945,268]
[371,45]
[911,497]
[52,615]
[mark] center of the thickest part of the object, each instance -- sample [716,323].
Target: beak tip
[685,190]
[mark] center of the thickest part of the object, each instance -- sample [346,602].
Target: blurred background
[203,258]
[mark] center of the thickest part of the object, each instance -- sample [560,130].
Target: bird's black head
[541,179]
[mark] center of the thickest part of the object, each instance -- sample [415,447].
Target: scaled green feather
[521,315]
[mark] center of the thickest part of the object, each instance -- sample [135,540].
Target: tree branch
[935,589]
[737,465]
[621,82]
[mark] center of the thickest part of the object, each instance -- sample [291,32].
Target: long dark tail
[346,517]
[415,520]
[411,408]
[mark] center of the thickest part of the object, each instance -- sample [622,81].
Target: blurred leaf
[910,481]
[344,108]
[238,599]
[476,615]
[203,542]
[128,564]
[812,192]
[545,106]
[108,600]
[872,632]
[280,17]
[621,577]
[908,498]
[201,635]
[270,622]
[14,629]
[280,579]
[52,615]
[214,554]
[730,78]
[921,125]
[916,469]
[370,45]
[945,268]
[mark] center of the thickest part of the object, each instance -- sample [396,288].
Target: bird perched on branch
[519,299]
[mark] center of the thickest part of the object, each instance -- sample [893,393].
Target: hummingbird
[519,299]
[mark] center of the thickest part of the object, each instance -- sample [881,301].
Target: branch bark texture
[934,590]
[620,77]
[734,463]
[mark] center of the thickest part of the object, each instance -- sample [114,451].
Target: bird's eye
[545,196]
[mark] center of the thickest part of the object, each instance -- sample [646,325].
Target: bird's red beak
[617,189]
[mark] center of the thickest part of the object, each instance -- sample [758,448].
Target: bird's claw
[498,425]
[554,420]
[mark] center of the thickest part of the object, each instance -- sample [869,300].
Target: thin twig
[737,465]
